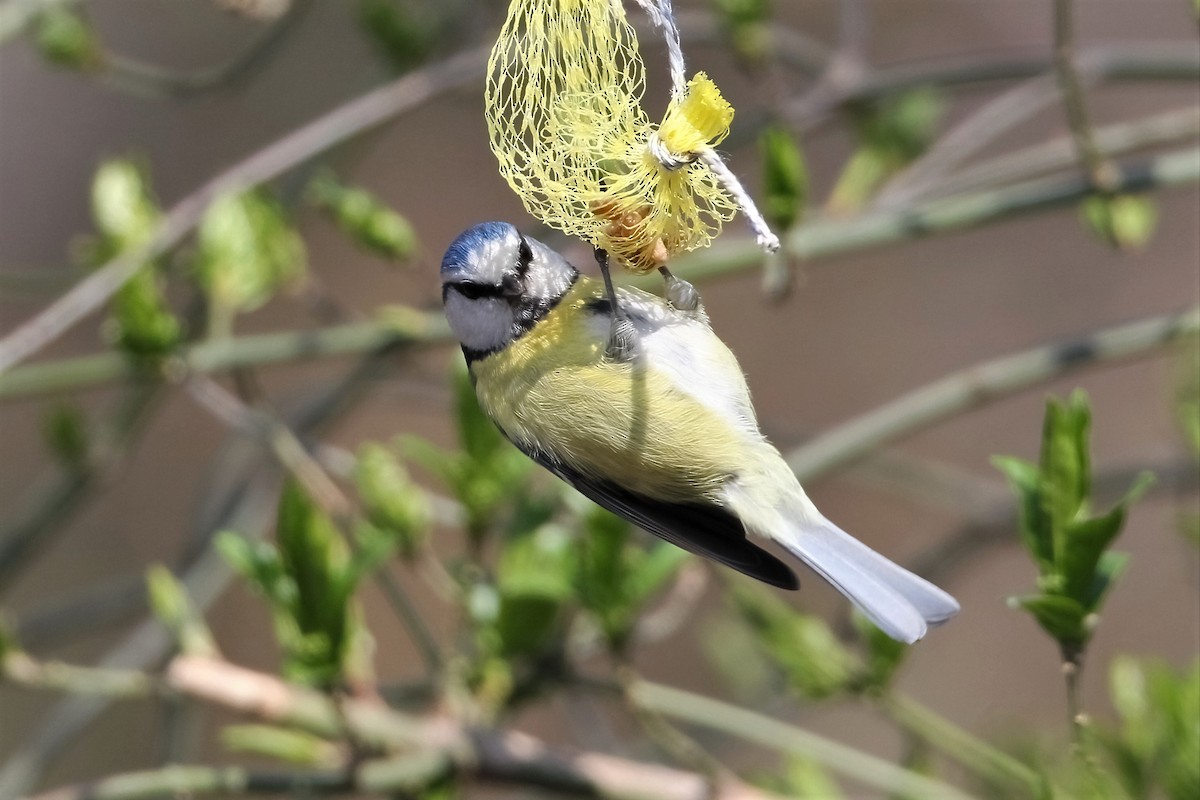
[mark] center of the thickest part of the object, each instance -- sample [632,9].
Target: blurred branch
[930,482]
[1171,127]
[1109,63]
[768,732]
[19,669]
[980,757]
[189,781]
[246,505]
[351,119]
[433,747]
[378,106]
[1005,112]
[821,238]
[51,504]
[412,327]
[37,280]
[996,523]
[149,80]
[1100,170]
[294,457]
[983,383]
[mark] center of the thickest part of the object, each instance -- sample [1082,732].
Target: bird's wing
[702,528]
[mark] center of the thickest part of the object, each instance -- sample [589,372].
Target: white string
[663,18]
[766,239]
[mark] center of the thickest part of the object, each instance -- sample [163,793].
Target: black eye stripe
[474,291]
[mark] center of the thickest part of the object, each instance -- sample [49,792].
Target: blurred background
[859,328]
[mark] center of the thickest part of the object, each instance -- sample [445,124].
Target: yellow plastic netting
[565,83]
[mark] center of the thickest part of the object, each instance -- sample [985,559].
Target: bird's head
[496,284]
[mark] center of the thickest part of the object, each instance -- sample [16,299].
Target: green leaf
[810,656]
[1065,466]
[393,503]
[283,744]
[369,222]
[1061,617]
[650,572]
[1122,221]
[785,177]
[123,207]
[1085,542]
[315,557]
[145,326]
[537,563]
[126,215]
[247,250]
[1110,567]
[170,604]
[742,12]
[803,779]
[1156,745]
[65,430]
[1033,522]
[259,565]
[401,32]
[745,24]
[901,126]
[66,39]
[862,175]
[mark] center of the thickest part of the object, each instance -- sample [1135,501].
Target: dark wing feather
[701,528]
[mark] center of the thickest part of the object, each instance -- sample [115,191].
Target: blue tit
[665,437]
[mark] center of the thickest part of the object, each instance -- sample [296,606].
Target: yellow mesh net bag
[564,115]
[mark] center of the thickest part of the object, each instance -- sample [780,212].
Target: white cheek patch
[482,324]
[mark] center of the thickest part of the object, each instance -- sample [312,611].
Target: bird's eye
[474,291]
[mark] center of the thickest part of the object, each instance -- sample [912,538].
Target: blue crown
[470,240]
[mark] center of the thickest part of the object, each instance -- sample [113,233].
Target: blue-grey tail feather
[902,604]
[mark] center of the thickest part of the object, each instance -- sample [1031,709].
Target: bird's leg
[680,293]
[622,337]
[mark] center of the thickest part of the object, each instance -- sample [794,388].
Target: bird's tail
[902,604]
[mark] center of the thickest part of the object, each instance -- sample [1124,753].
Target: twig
[983,383]
[351,119]
[21,670]
[821,238]
[149,80]
[1102,172]
[439,743]
[997,523]
[1003,113]
[189,781]
[413,327]
[1127,63]
[754,727]
[1171,127]
[294,457]
[980,757]
[246,506]
[51,504]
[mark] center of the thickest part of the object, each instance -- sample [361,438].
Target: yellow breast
[553,390]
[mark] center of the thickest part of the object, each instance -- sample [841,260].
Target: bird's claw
[681,294]
[622,339]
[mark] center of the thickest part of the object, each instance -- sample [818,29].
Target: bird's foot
[680,293]
[622,339]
